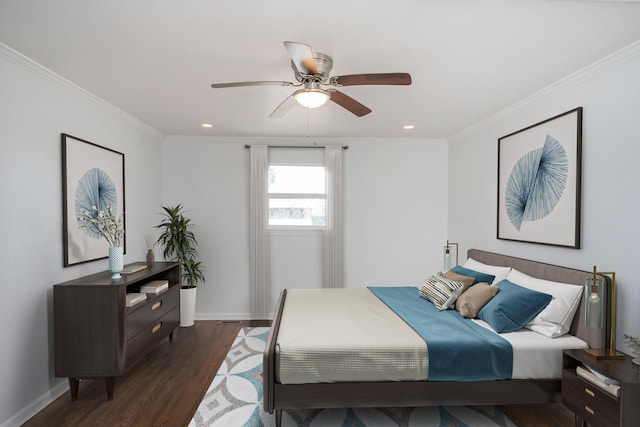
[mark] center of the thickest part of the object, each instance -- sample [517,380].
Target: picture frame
[92,175]
[539,182]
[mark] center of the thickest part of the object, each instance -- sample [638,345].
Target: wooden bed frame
[424,393]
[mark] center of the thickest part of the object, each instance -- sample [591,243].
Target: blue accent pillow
[513,307]
[479,277]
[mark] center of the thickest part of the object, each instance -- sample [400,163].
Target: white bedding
[537,356]
[349,335]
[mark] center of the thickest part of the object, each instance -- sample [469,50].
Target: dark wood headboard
[596,337]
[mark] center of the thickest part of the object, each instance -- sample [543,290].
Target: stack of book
[135,298]
[134,268]
[600,380]
[155,286]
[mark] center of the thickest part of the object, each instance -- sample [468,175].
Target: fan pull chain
[309,126]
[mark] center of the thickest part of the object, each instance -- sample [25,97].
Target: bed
[293,390]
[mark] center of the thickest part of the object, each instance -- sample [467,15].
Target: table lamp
[448,261]
[594,312]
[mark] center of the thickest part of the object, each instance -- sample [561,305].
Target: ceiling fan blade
[259,83]
[283,108]
[349,103]
[302,57]
[372,79]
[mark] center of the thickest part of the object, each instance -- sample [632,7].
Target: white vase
[187,306]
[116,262]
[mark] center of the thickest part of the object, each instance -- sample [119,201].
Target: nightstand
[593,405]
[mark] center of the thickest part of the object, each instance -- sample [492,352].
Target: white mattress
[537,356]
[349,335]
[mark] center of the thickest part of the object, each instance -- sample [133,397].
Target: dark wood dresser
[97,336]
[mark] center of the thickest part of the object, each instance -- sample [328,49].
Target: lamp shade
[450,259]
[311,98]
[596,296]
[594,302]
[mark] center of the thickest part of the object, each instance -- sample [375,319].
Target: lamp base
[604,354]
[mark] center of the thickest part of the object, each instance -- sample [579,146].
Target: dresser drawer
[151,335]
[595,406]
[155,308]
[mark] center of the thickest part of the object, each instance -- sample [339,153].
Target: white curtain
[258,229]
[332,263]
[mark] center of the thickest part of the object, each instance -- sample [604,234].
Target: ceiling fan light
[311,98]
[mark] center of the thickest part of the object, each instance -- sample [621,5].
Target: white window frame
[290,229]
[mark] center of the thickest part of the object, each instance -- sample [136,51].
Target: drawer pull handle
[156,327]
[589,410]
[156,306]
[589,392]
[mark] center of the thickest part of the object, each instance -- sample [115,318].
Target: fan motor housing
[323,62]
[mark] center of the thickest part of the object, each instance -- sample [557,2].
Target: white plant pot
[187,306]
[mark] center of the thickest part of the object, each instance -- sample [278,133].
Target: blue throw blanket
[459,349]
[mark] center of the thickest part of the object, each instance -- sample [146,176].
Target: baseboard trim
[227,317]
[37,405]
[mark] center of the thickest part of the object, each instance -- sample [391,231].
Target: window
[297,196]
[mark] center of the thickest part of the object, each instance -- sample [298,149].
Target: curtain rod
[344,147]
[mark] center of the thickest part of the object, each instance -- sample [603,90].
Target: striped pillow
[441,291]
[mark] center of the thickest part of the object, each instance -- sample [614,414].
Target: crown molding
[28,64]
[598,68]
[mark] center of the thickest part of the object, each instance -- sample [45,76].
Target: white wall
[395,198]
[211,181]
[398,204]
[610,97]
[35,108]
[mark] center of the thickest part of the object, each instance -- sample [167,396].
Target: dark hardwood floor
[166,388]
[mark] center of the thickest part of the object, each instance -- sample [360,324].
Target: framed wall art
[91,176]
[539,182]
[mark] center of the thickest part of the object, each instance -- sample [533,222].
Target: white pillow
[555,319]
[501,273]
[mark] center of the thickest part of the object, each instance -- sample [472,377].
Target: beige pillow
[452,275]
[472,300]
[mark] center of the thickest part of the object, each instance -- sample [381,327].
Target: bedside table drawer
[586,400]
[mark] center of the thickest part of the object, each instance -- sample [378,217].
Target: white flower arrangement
[106,223]
[633,343]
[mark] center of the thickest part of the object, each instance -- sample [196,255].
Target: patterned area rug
[234,399]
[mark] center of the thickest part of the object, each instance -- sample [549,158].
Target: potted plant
[179,244]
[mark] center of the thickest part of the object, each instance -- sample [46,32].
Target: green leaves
[180,244]
[178,240]
[192,273]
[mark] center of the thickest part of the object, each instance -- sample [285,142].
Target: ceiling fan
[311,70]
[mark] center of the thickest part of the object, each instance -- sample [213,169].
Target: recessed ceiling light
[206,125]
[408,127]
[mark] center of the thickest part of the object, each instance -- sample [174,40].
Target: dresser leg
[74,384]
[110,382]
[580,422]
